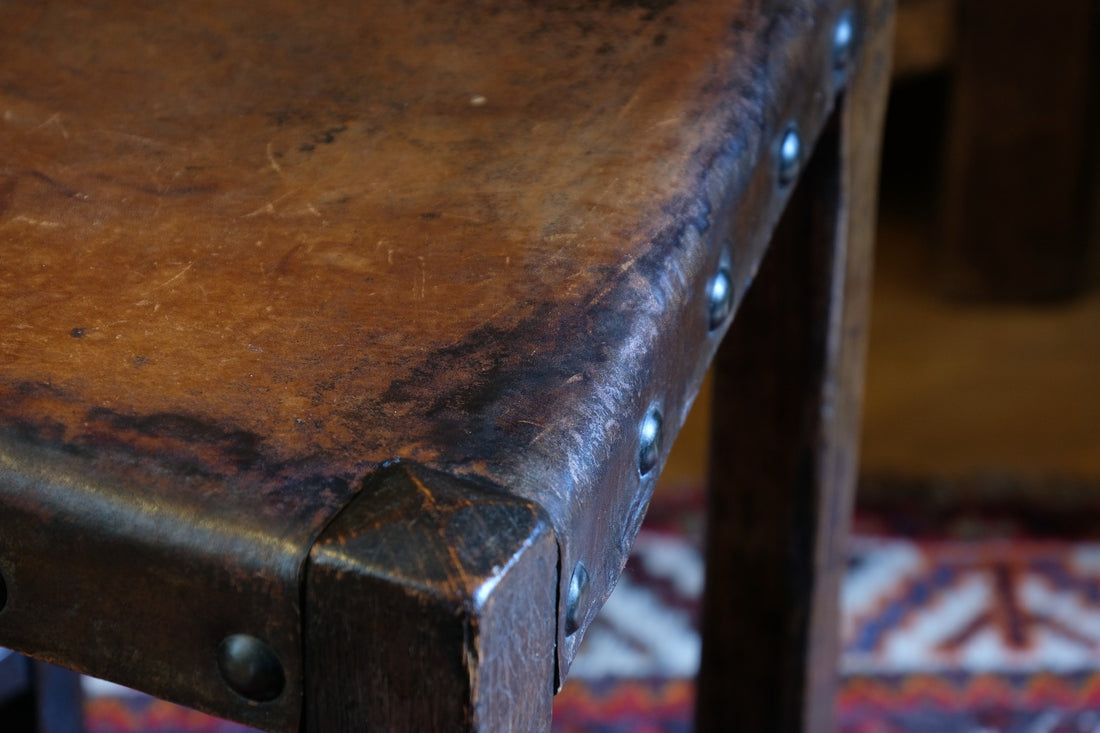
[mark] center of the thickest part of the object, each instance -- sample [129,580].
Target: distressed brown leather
[250,252]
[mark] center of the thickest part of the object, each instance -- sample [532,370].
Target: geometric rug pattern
[1002,605]
[996,632]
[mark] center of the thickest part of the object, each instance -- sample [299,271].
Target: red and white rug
[970,621]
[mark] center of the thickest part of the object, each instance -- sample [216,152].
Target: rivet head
[719,298]
[577,585]
[790,155]
[844,37]
[649,449]
[250,667]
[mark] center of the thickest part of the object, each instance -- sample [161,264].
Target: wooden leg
[431,606]
[36,697]
[787,402]
[1015,208]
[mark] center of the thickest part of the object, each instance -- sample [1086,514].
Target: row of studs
[719,305]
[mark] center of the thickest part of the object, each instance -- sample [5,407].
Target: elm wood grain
[785,425]
[430,605]
[1016,205]
[36,697]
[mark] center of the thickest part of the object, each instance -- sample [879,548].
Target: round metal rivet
[649,449]
[844,36]
[577,585]
[790,155]
[719,298]
[251,668]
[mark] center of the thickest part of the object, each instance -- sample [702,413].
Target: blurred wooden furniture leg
[1015,191]
[36,697]
[786,414]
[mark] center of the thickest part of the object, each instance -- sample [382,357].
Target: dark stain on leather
[239,448]
[7,193]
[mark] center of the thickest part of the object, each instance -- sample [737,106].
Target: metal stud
[649,449]
[790,155]
[719,298]
[844,37]
[251,668]
[577,585]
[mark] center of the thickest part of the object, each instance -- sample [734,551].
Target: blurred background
[984,359]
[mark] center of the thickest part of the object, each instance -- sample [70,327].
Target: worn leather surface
[246,238]
[252,251]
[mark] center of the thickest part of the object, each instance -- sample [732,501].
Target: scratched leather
[318,229]
[280,244]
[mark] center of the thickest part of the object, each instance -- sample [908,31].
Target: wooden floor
[957,390]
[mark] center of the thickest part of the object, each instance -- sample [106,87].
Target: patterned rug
[955,620]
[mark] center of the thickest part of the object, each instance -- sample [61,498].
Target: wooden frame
[375,327]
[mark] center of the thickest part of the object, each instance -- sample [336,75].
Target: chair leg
[785,424]
[415,622]
[1015,201]
[36,697]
